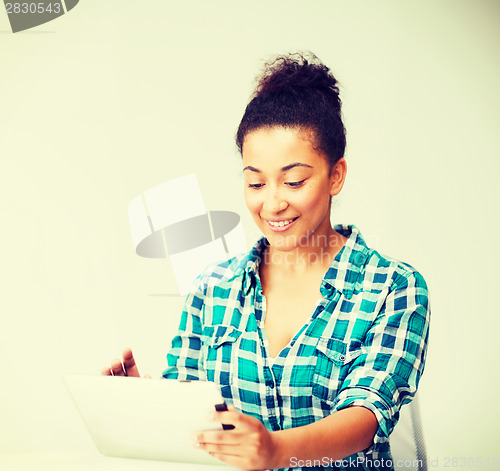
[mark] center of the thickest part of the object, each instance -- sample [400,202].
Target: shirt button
[270,384]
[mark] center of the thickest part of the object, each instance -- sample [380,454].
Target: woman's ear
[337,177]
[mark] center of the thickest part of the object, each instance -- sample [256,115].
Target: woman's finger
[117,368]
[106,371]
[242,422]
[226,437]
[228,450]
[129,364]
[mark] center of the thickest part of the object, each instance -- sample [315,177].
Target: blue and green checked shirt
[364,343]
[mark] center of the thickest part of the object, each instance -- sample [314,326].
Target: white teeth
[280,223]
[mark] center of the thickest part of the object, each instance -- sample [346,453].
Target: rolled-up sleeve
[385,375]
[185,360]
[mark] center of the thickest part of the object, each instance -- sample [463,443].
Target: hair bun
[298,91]
[295,71]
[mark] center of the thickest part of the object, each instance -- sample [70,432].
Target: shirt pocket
[219,343]
[334,361]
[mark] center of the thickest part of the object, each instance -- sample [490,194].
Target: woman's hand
[249,446]
[126,368]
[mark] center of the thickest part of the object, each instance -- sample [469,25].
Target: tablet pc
[146,418]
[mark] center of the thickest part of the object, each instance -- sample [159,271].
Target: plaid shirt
[364,343]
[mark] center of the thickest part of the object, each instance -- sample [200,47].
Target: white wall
[118,96]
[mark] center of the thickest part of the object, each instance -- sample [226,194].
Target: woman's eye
[289,184]
[295,184]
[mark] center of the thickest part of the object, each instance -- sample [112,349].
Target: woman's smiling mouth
[280,225]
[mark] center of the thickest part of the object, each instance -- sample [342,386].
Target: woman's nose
[274,202]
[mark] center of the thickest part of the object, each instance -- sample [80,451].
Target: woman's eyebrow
[283,169]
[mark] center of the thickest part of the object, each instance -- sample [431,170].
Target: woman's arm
[184,359]
[339,435]
[251,446]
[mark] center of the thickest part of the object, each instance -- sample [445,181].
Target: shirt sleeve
[185,360]
[385,375]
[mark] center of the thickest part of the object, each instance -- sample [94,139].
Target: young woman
[314,339]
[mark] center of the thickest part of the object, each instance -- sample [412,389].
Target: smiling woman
[314,339]
[288,189]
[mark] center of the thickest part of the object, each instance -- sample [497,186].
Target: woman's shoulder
[378,268]
[396,273]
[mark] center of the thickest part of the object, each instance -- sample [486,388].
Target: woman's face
[288,187]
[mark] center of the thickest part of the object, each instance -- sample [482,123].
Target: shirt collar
[347,265]
[250,265]
[342,275]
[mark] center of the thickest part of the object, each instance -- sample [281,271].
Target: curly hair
[296,91]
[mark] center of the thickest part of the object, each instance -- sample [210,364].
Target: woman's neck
[315,252]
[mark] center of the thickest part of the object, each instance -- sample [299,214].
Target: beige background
[120,95]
